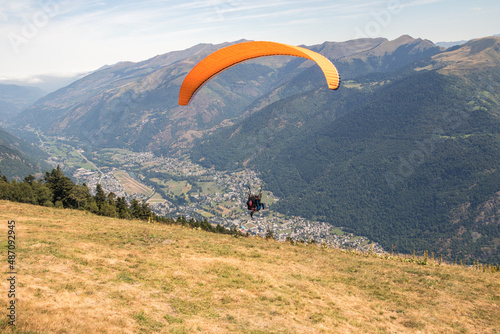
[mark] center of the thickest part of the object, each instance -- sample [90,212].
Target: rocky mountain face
[134,105]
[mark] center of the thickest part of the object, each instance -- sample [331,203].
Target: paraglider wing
[231,55]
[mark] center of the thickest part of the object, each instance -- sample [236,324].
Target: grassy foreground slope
[80,273]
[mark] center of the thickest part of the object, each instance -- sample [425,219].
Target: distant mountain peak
[405,39]
[413,45]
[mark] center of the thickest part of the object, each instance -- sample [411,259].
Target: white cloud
[412,3]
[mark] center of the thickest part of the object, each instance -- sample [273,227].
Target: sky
[62,38]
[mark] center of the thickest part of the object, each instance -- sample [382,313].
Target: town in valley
[175,186]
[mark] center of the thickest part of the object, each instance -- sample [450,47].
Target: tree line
[55,189]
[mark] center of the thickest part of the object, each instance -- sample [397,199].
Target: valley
[405,152]
[177,187]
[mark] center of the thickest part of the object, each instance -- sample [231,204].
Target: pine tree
[122,208]
[44,196]
[145,210]
[6,192]
[60,185]
[29,179]
[3,178]
[108,210]
[92,206]
[135,209]
[79,196]
[25,194]
[112,199]
[100,196]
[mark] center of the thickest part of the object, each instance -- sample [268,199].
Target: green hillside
[18,158]
[80,273]
[406,157]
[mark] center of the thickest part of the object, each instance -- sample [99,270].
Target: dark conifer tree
[122,208]
[5,189]
[79,196]
[3,177]
[24,193]
[112,199]
[145,210]
[108,210]
[60,185]
[100,196]
[44,195]
[135,209]
[29,179]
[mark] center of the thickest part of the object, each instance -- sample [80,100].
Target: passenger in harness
[254,202]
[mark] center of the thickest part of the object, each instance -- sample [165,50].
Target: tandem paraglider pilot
[254,202]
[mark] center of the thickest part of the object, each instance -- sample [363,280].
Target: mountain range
[134,105]
[405,152]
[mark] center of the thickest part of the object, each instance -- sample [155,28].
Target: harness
[253,202]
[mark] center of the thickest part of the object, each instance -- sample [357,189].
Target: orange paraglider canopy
[231,55]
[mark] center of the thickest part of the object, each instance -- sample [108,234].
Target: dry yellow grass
[80,273]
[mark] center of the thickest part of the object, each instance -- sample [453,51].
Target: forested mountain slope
[18,158]
[409,157]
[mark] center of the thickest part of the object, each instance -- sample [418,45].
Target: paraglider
[226,57]
[254,202]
